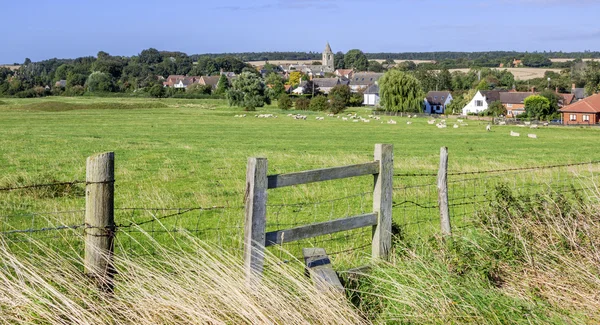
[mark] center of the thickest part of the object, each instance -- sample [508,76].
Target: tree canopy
[400,92]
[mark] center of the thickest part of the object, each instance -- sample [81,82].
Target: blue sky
[42,29]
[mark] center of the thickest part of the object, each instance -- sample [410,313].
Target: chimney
[532,90]
[573,87]
[556,90]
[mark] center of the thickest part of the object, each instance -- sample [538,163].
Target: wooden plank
[321,272]
[320,175]
[382,201]
[442,185]
[100,219]
[256,216]
[319,229]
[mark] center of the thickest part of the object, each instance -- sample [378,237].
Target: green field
[181,164]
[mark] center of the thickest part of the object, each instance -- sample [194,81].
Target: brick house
[514,102]
[585,111]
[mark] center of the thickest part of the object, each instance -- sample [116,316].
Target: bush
[319,103]
[337,105]
[199,89]
[74,91]
[284,102]
[302,104]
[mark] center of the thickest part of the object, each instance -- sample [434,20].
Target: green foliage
[444,80]
[339,97]
[302,104]
[75,79]
[284,102]
[537,106]
[157,91]
[495,109]
[338,60]
[375,66]
[536,60]
[99,81]
[554,99]
[592,78]
[223,85]
[276,83]
[356,99]
[199,89]
[150,56]
[400,92]
[356,59]
[247,91]
[319,104]
[74,91]
[310,88]
[407,66]
[483,85]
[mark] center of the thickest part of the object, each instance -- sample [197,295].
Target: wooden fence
[258,182]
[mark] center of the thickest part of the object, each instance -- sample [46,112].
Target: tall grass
[203,286]
[530,260]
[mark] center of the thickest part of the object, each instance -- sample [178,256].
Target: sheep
[415,116]
[443,121]
[391,122]
[521,125]
[431,122]
[464,124]
[330,115]
[441,126]
[459,121]
[409,122]
[514,134]
[502,123]
[533,136]
[377,118]
[366,121]
[455,126]
[535,126]
[546,124]
[344,119]
[488,128]
[319,118]
[355,121]
[527,123]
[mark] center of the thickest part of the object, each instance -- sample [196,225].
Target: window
[586,118]
[434,97]
[442,97]
[510,113]
[573,117]
[479,103]
[508,105]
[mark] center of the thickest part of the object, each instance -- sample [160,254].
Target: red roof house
[585,111]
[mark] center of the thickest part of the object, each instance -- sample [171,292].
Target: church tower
[328,62]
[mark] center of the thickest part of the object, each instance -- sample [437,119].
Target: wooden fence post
[99,219]
[256,216]
[382,201]
[442,184]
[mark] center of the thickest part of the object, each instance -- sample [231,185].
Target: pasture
[175,155]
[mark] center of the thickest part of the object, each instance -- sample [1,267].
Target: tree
[310,88]
[389,61]
[75,79]
[495,109]
[444,80]
[400,92]
[554,100]
[339,97]
[302,104]
[356,59]
[99,81]
[356,99]
[317,63]
[338,60]
[157,91]
[407,66]
[27,61]
[284,102]
[247,91]
[537,106]
[199,89]
[150,56]
[294,78]
[319,103]
[592,77]
[375,66]
[275,82]
[222,86]
[483,85]
[536,60]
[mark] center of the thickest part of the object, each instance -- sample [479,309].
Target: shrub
[302,104]
[319,103]
[284,102]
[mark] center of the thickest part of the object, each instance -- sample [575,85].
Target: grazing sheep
[441,126]
[415,116]
[331,115]
[377,118]
[459,121]
[355,121]
[320,118]
[533,136]
[431,122]
[502,123]
[464,124]
[443,121]
[344,119]
[455,126]
[392,122]
[409,122]
[521,125]
[535,126]
[546,124]
[514,134]
[527,123]
[488,128]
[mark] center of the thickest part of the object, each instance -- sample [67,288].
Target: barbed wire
[24,187]
[497,170]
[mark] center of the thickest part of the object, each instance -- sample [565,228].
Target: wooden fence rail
[258,182]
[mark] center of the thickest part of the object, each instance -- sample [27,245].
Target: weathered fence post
[99,219]
[442,184]
[382,201]
[256,216]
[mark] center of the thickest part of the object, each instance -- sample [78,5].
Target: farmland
[522,73]
[179,154]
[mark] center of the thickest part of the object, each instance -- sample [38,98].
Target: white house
[436,102]
[481,101]
[371,95]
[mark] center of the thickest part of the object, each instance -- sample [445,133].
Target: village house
[436,102]
[578,92]
[585,111]
[324,85]
[361,81]
[209,81]
[344,73]
[514,102]
[371,95]
[481,101]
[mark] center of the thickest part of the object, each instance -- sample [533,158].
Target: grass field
[192,153]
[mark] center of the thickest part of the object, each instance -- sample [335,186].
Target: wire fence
[471,194]
[141,230]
